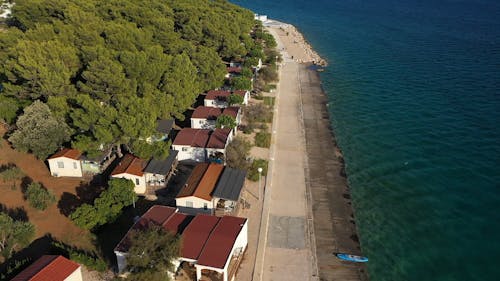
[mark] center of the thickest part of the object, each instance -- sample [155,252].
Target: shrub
[269,101]
[90,260]
[257,113]
[237,153]
[39,197]
[253,173]
[263,139]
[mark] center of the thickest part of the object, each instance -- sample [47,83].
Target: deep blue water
[414,89]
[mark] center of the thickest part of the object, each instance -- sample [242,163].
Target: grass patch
[269,87]
[269,101]
[253,173]
[263,139]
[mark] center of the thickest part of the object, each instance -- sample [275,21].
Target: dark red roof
[236,69]
[205,112]
[196,234]
[68,153]
[130,165]
[192,137]
[217,94]
[48,268]
[177,222]
[156,214]
[220,243]
[218,139]
[194,179]
[231,111]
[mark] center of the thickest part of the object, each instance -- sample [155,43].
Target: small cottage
[53,268]
[66,163]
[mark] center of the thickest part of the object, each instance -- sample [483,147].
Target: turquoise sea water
[415,104]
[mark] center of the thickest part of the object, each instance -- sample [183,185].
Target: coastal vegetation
[108,70]
[39,197]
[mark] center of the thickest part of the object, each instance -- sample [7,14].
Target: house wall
[201,123]
[75,276]
[198,205]
[139,181]
[121,260]
[197,154]
[70,167]
[240,244]
[215,103]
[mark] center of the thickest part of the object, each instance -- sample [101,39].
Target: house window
[205,206]
[184,149]
[74,165]
[189,204]
[136,181]
[60,165]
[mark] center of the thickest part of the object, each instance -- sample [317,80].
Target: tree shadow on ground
[18,213]
[86,193]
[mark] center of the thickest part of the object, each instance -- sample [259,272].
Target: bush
[237,153]
[258,113]
[269,87]
[263,139]
[90,260]
[269,101]
[39,197]
[268,74]
[253,173]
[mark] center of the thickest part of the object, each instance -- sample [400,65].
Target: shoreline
[330,225]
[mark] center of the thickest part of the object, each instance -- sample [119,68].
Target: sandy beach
[307,214]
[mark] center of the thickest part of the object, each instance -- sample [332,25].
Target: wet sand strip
[332,226]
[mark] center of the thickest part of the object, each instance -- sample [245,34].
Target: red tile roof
[218,139]
[194,179]
[217,94]
[48,268]
[236,69]
[156,215]
[177,222]
[220,243]
[220,94]
[192,137]
[130,165]
[205,112]
[231,111]
[68,153]
[207,184]
[196,234]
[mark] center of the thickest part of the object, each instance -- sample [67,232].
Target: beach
[307,214]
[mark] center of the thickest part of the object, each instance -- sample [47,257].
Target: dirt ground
[51,220]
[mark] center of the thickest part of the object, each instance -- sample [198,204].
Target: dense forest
[105,71]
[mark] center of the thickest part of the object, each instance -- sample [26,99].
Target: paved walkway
[284,248]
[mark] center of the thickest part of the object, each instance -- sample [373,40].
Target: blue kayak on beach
[352,258]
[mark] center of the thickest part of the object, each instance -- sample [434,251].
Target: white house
[53,268]
[217,98]
[208,242]
[205,117]
[132,168]
[196,194]
[191,144]
[66,163]
[216,146]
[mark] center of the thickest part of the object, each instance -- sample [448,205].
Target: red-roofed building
[65,163]
[51,268]
[217,98]
[191,144]
[132,168]
[205,117]
[216,146]
[218,242]
[194,199]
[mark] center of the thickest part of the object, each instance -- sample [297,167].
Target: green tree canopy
[110,69]
[233,99]
[237,153]
[225,121]
[151,253]
[39,131]
[39,197]
[14,235]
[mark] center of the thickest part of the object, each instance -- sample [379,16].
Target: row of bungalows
[211,188]
[209,243]
[146,175]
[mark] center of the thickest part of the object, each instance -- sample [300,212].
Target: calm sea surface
[414,90]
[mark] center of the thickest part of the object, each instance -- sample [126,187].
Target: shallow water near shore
[415,106]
